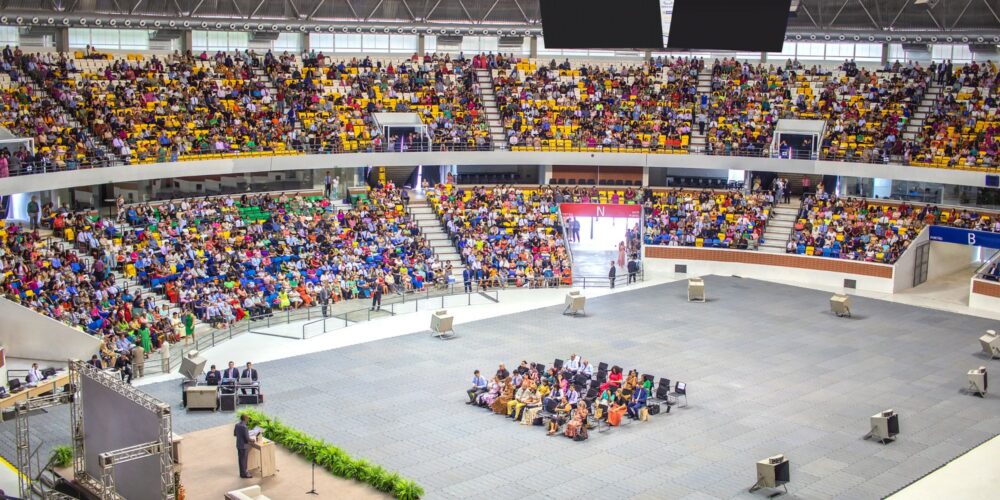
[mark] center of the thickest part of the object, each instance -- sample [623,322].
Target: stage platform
[769,370]
[209,470]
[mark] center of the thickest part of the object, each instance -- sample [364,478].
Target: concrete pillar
[763,57]
[647,55]
[305,42]
[421,44]
[885,54]
[645,176]
[533,47]
[544,174]
[62,39]
[187,41]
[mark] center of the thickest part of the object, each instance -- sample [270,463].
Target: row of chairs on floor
[590,388]
[662,395]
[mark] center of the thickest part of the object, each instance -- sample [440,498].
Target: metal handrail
[980,272]
[290,149]
[346,316]
[316,311]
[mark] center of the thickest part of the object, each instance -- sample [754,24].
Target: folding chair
[680,390]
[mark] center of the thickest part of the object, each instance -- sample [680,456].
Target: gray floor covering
[769,370]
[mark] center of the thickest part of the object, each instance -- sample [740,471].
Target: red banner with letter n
[601,210]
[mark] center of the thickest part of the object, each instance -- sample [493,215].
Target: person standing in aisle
[324,298]
[611,274]
[33,209]
[327,185]
[377,292]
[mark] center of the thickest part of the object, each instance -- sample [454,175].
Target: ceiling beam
[462,4]
[808,14]
[490,11]
[316,9]
[294,9]
[135,7]
[837,15]
[408,10]
[870,18]
[196,7]
[351,6]
[936,23]
[961,14]
[901,9]
[374,10]
[239,13]
[522,11]
[990,7]
[428,16]
[256,9]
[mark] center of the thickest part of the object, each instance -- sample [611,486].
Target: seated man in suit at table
[231,372]
[249,373]
[213,376]
[34,374]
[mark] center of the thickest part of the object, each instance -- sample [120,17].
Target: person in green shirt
[147,343]
[188,327]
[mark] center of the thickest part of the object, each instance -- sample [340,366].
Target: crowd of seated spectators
[335,101]
[218,260]
[148,108]
[643,107]
[962,125]
[855,228]
[725,219]
[58,282]
[504,235]
[574,394]
[872,230]
[865,110]
[156,109]
[227,258]
[27,111]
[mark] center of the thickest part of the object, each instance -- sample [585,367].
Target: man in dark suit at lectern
[242,444]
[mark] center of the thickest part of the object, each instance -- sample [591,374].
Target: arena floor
[769,370]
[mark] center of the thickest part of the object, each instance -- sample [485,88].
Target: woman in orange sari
[617,409]
[499,405]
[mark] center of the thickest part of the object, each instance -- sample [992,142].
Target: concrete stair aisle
[432,229]
[779,228]
[919,118]
[698,142]
[488,93]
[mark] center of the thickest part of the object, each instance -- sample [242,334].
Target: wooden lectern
[261,457]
